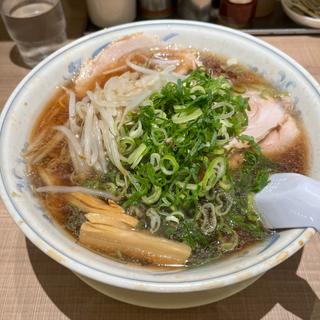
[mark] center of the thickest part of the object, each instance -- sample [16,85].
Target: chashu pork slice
[281,139]
[112,57]
[264,116]
[270,124]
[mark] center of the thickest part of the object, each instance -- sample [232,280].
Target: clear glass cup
[38,27]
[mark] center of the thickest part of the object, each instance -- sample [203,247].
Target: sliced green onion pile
[175,151]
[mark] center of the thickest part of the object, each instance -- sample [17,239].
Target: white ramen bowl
[153,288]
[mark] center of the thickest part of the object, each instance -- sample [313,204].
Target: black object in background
[156,9]
[194,9]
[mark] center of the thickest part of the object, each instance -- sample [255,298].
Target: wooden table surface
[33,286]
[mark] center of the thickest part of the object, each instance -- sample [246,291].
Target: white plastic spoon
[290,200]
